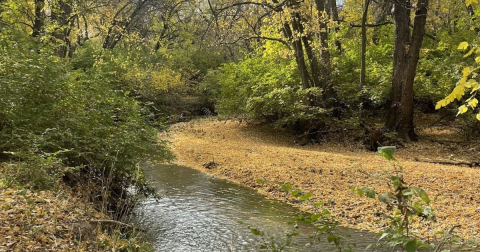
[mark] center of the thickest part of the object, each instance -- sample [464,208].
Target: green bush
[47,107]
[265,87]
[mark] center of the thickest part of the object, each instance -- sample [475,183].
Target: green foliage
[47,107]
[265,87]
[404,206]
[379,67]
[387,152]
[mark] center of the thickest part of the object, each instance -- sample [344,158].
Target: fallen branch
[446,141]
[471,164]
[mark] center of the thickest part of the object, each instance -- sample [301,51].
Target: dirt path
[246,153]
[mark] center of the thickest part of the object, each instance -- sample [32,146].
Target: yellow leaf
[475,87]
[471,83]
[478,117]
[469,53]
[473,103]
[468,2]
[462,109]
[463,46]
[477,59]
[438,106]
[466,71]
[458,92]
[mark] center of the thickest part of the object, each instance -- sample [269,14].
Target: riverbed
[198,212]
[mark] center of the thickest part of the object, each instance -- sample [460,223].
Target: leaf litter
[246,154]
[44,220]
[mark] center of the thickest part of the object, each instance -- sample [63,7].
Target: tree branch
[371,25]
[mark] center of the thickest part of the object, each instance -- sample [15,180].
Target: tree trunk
[328,95]
[61,15]
[364,45]
[406,55]
[299,55]
[39,19]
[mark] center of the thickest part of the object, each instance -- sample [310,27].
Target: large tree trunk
[405,59]
[62,16]
[39,19]
[299,55]
[328,95]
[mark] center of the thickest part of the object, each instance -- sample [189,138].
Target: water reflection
[201,213]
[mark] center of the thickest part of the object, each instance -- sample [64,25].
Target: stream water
[200,213]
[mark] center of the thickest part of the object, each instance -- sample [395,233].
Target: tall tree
[406,54]
[39,18]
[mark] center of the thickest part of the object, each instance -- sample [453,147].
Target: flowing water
[201,213]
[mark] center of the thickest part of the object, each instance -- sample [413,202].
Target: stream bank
[244,153]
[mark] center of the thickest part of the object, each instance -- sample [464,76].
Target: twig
[114,222]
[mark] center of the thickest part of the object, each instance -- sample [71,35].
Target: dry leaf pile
[244,153]
[43,220]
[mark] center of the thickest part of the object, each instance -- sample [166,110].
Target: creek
[198,212]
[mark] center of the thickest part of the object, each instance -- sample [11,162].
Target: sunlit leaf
[387,152]
[462,109]
[463,46]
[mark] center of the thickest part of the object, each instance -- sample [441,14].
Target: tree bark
[364,44]
[406,55]
[61,15]
[299,55]
[328,95]
[39,19]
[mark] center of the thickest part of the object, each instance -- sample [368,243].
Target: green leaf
[384,197]
[261,181]
[411,246]
[286,187]
[423,195]
[407,192]
[306,197]
[387,152]
[295,193]
[255,231]
[315,217]
[331,238]
[383,236]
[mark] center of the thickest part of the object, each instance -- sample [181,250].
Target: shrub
[263,86]
[47,107]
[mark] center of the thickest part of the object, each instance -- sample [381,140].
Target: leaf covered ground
[44,220]
[245,153]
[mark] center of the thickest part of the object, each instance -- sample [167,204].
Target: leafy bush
[46,107]
[265,86]
[379,68]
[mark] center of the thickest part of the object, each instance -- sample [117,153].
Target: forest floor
[55,219]
[244,153]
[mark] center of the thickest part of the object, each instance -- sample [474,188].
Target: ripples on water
[201,213]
